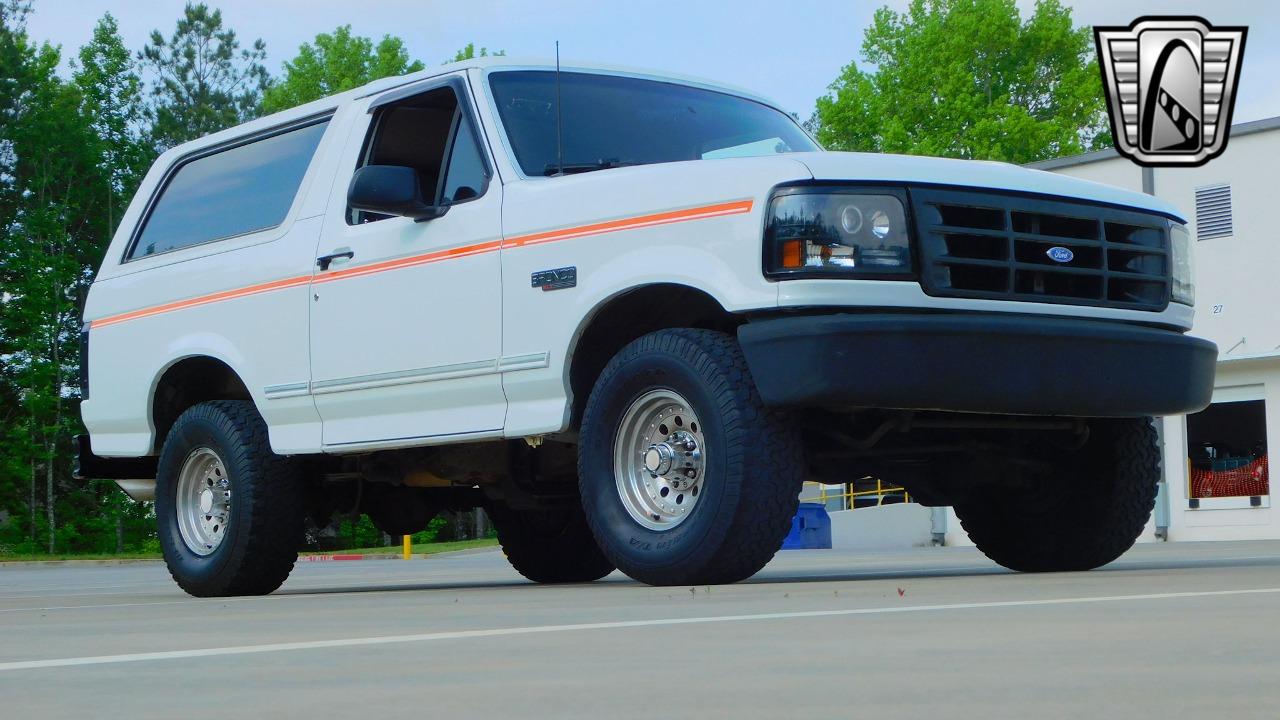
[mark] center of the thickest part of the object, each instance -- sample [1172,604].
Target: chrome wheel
[659,459]
[203,501]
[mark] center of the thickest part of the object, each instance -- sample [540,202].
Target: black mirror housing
[391,190]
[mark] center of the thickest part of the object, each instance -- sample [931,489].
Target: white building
[1229,202]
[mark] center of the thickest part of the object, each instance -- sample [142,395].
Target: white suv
[627,315]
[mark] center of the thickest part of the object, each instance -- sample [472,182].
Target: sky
[786,50]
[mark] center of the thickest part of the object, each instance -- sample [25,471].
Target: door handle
[340,254]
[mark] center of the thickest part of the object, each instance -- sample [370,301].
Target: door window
[432,133]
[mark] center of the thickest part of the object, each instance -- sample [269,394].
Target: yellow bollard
[408,547]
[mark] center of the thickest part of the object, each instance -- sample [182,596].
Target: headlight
[838,232]
[1184,281]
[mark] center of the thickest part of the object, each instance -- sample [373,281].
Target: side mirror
[391,190]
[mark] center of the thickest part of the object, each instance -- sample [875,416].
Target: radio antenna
[559,124]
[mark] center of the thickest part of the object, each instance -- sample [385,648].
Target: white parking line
[537,629]
[97,607]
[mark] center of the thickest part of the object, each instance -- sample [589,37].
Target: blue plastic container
[810,529]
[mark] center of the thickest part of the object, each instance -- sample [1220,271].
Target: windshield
[609,121]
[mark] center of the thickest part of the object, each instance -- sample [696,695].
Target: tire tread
[272,517]
[1090,528]
[768,496]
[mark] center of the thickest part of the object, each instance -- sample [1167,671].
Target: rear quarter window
[242,189]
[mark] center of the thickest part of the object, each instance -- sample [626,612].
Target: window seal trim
[184,160]
[446,159]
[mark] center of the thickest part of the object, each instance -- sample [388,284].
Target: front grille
[1003,247]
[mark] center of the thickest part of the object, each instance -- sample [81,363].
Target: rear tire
[231,513]
[549,546]
[1087,514]
[686,477]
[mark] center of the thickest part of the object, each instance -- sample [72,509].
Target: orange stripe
[203,300]
[663,218]
[398,263]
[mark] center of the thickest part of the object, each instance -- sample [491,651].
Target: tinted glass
[611,119]
[240,190]
[465,177]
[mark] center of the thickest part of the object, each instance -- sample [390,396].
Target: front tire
[686,477]
[231,513]
[1085,514]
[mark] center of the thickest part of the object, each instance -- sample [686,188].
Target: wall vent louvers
[1213,212]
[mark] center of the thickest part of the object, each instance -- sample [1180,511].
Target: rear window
[231,192]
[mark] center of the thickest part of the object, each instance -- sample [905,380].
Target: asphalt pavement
[1182,630]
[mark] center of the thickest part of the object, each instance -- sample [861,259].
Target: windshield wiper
[581,167]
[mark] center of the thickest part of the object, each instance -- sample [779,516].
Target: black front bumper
[982,363]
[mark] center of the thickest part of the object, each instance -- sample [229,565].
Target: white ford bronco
[628,315]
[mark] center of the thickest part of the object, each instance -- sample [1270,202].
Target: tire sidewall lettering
[641,373]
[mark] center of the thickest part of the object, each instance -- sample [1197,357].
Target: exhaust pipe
[142,490]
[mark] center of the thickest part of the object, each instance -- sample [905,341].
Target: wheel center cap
[658,458]
[206,500]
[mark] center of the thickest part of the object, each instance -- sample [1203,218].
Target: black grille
[1009,247]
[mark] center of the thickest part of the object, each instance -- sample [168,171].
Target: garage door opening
[1227,445]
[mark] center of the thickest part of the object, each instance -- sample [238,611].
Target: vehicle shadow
[1122,565]
[832,573]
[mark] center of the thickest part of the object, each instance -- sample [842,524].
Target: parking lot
[1178,630]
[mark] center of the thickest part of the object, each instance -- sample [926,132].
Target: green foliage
[432,533]
[335,62]
[356,534]
[70,153]
[111,99]
[204,81]
[969,79]
[469,52]
[361,533]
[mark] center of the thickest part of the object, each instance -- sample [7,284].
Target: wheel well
[632,314]
[188,382]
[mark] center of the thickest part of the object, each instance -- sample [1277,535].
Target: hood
[907,169]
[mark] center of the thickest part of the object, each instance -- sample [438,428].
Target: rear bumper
[93,467]
[983,363]
[135,476]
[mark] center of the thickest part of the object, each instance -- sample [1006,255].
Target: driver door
[406,316]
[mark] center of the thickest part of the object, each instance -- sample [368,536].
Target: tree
[111,99]
[17,470]
[469,52]
[70,154]
[969,79]
[52,196]
[203,81]
[334,62]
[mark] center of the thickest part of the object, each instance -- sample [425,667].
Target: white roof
[330,103]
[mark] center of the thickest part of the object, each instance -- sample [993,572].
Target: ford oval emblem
[1060,254]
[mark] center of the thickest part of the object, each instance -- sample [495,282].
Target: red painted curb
[342,557]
